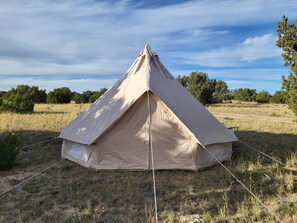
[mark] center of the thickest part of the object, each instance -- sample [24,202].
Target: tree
[287,41]
[245,94]
[59,95]
[97,95]
[37,96]
[34,94]
[88,96]
[199,85]
[17,100]
[279,97]
[78,98]
[263,97]
[18,103]
[221,92]
[184,80]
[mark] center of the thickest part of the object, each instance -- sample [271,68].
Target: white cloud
[104,37]
[83,32]
[251,49]
[100,67]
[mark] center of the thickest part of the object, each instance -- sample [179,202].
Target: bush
[34,94]
[279,97]
[79,98]
[199,85]
[263,97]
[59,95]
[87,96]
[205,90]
[17,103]
[9,149]
[245,94]
[221,92]
[97,95]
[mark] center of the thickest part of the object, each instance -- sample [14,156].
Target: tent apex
[147,50]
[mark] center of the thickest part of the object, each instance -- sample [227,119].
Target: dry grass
[71,193]
[273,118]
[46,117]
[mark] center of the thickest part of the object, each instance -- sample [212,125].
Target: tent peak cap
[147,50]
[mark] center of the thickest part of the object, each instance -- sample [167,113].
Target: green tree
[17,100]
[34,94]
[199,85]
[184,80]
[263,97]
[97,95]
[221,92]
[88,96]
[59,95]
[287,41]
[78,98]
[279,97]
[245,94]
[37,96]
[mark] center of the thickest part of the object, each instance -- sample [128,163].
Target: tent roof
[147,73]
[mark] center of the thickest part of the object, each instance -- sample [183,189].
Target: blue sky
[88,44]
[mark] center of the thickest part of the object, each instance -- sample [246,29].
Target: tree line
[22,98]
[209,91]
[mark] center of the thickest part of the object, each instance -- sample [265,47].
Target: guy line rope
[245,187]
[41,171]
[152,157]
[264,154]
[47,140]
[34,175]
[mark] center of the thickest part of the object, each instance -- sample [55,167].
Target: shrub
[59,95]
[34,94]
[79,98]
[9,149]
[97,95]
[200,86]
[263,97]
[245,94]
[17,103]
[279,97]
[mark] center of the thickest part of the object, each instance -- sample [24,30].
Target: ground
[70,193]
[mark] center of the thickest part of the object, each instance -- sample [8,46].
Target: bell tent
[146,115]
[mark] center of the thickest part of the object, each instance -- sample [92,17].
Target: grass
[71,193]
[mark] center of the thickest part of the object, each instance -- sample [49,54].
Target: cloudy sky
[89,44]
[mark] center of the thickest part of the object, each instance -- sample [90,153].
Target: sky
[89,44]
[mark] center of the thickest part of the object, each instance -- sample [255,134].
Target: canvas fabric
[114,132]
[126,145]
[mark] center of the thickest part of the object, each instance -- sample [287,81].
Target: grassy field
[71,193]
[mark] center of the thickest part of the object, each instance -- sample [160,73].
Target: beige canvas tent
[146,111]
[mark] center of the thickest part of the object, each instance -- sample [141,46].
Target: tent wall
[126,144]
[222,151]
[174,146]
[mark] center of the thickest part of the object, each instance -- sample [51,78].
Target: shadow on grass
[279,146]
[70,193]
[48,112]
